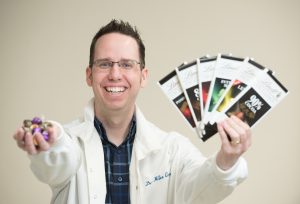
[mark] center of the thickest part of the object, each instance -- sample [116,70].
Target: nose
[115,72]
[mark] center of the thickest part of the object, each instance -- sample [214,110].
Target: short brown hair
[119,26]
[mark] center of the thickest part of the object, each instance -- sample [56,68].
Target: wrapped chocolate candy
[37,125]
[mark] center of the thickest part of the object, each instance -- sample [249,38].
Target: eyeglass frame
[111,63]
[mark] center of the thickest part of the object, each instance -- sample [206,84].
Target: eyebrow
[110,59]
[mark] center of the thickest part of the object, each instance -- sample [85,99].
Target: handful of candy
[37,125]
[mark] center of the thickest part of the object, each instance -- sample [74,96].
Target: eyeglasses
[107,64]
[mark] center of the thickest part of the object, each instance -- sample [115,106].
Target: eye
[126,64]
[104,64]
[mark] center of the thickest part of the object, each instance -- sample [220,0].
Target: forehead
[116,46]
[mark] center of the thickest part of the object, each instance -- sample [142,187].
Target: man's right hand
[24,140]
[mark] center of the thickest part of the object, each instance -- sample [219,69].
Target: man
[114,155]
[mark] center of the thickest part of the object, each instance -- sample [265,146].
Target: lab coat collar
[83,128]
[147,139]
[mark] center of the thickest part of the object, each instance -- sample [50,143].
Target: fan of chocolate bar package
[210,89]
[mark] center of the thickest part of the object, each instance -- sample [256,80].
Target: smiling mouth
[115,89]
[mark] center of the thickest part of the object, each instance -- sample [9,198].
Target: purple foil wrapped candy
[36,120]
[37,129]
[45,135]
[37,125]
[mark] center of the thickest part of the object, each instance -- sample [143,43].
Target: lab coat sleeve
[57,165]
[202,181]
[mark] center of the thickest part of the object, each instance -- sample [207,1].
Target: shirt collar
[102,132]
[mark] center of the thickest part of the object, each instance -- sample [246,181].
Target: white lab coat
[165,167]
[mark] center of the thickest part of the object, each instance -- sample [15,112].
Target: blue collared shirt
[117,162]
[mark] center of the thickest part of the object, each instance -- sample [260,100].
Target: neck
[116,123]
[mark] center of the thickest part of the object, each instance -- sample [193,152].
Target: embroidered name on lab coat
[158,178]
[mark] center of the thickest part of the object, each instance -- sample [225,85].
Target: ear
[144,78]
[88,76]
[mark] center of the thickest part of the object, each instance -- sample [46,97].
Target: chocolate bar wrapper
[257,99]
[249,71]
[226,69]
[172,89]
[188,78]
[206,70]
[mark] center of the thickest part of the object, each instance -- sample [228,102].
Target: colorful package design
[206,69]
[188,78]
[255,101]
[211,89]
[226,70]
[248,72]
[172,89]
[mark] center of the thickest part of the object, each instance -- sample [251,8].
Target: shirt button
[119,151]
[120,179]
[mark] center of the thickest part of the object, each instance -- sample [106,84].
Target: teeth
[115,89]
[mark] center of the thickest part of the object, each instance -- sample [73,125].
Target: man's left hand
[236,139]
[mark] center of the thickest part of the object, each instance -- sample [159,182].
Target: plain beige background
[44,50]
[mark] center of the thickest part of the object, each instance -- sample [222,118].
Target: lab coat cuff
[238,170]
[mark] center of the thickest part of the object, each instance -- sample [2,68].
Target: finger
[231,131]
[19,137]
[28,144]
[238,129]
[240,122]
[21,144]
[223,135]
[246,131]
[52,135]
[19,134]
[42,144]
